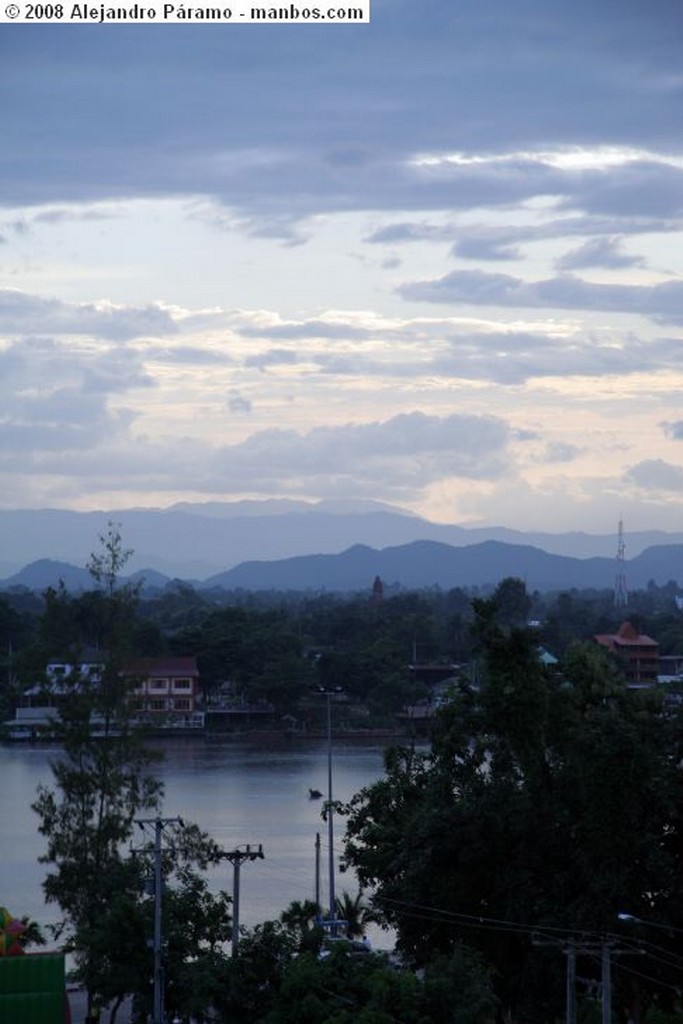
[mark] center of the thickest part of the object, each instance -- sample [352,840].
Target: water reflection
[239,792]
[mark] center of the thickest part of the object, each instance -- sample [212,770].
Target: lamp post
[159,824]
[329,694]
[632,919]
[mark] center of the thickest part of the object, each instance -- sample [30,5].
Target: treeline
[277,646]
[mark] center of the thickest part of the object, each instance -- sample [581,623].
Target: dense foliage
[549,802]
[279,979]
[276,647]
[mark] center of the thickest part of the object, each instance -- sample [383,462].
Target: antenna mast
[620,587]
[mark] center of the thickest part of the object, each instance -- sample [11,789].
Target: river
[238,791]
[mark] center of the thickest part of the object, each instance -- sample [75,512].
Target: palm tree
[31,934]
[299,917]
[357,913]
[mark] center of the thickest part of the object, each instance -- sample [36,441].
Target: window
[157,685]
[181,704]
[182,684]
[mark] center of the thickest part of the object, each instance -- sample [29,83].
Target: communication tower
[620,587]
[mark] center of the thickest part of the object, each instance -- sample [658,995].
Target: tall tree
[102,778]
[549,800]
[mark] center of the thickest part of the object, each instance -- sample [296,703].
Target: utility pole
[330,813]
[572,948]
[319,913]
[606,982]
[329,694]
[159,825]
[570,952]
[237,858]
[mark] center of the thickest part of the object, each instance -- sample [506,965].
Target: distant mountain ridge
[418,565]
[430,563]
[46,573]
[199,540]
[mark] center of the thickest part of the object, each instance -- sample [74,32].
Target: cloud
[560,451]
[332,328]
[511,358]
[659,302]
[652,188]
[406,453]
[504,241]
[190,355]
[37,365]
[410,232]
[237,403]
[657,475]
[598,252]
[54,397]
[60,421]
[479,247]
[268,146]
[273,357]
[674,430]
[533,131]
[396,458]
[459,348]
[21,313]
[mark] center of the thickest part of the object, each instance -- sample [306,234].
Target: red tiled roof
[166,666]
[626,636]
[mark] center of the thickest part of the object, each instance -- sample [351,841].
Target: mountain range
[325,546]
[197,541]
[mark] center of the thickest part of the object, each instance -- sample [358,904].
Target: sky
[434,261]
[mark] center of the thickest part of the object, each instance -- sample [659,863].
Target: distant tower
[377,591]
[620,588]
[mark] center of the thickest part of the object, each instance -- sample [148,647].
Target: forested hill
[415,566]
[429,563]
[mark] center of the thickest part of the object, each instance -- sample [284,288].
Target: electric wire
[557,934]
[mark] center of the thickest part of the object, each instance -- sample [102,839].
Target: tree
[354,987]
[512,602]
[300,920]
[105,565]
[549,800]
[102,780]
[357,913]
[196,926]
[458,989]
[345,989]
[250,985]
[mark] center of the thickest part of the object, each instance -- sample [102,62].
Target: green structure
[32,989]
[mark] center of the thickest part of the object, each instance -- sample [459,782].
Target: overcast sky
[434,261]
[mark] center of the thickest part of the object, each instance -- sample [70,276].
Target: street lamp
[329,694]
[632,919]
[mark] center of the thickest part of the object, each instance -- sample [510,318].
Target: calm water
[238,792]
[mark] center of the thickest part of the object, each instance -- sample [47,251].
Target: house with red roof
[166,689]
[637,653]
